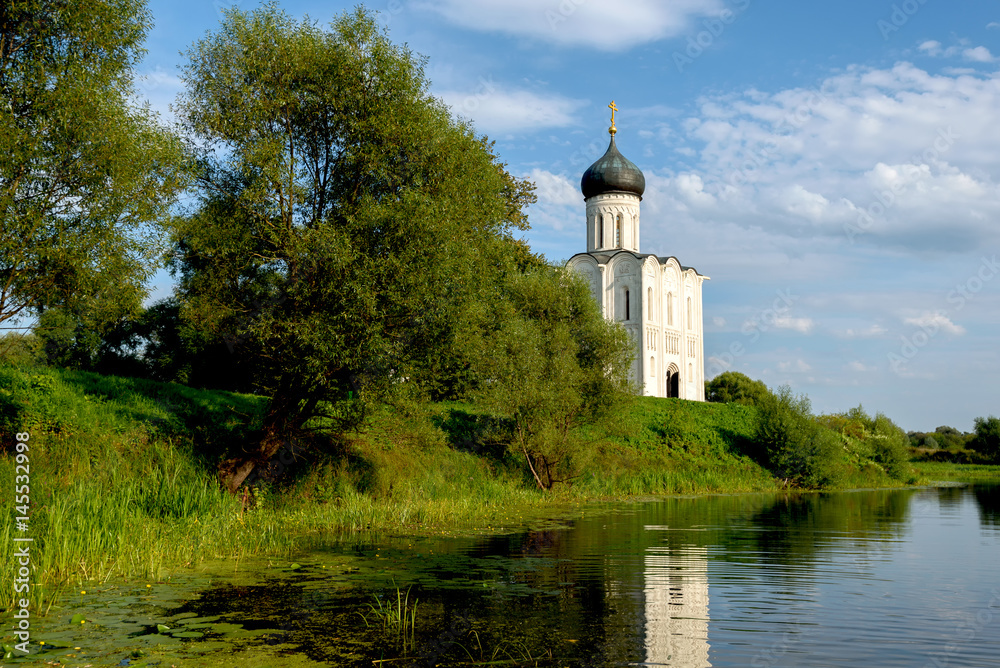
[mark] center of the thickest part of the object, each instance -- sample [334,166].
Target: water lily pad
[295,566]
[187,634]
[77,619]
[162,628]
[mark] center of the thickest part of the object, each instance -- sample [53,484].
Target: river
[865,579]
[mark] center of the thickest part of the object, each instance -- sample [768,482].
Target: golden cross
[613,107]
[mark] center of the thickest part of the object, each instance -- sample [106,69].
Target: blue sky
[831,166]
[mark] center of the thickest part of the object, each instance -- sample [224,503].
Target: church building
[656,299]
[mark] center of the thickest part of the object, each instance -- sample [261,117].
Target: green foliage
[555,364]
[735,387]
[84,176]
[945,444]
[349,231]
[671,446]
[794,446]
[987,439]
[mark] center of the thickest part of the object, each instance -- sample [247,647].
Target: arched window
[649,302]
[690,371]
[626,304]
[652,366]
[690,321]
[618,232]
[670,309]
[599,231]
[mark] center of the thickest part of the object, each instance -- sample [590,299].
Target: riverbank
[122,474]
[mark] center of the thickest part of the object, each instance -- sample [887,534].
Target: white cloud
[159,88]
[555,189]
[980,54]
[719,322]
[801,325]
[931,47]
[798,366]
[498,111]
[860,367]
[560,202]
[603,25]
[934,321]
[896,158]
[870,332]
[992,24]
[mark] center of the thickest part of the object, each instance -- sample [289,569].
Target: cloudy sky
[831,166]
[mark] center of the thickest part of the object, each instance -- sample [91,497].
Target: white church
[656,299]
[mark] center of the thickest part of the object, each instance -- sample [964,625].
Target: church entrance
[673,381]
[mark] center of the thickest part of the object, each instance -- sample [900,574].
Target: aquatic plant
[399,618]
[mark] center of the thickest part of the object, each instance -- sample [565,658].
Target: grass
[122,474]
[399,618]
[960,472]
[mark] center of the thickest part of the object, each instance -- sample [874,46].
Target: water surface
[871,578]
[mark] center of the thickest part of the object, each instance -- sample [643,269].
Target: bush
[796,447]
[737,388]
[987,439]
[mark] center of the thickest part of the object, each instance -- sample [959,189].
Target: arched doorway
[673,381]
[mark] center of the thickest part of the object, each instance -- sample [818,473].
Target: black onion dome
[612,173]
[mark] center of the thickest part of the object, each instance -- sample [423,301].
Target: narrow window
[652,366]
[690,322]
[649,301]
[626,304]
[670,309]
[618,232]
[600,231]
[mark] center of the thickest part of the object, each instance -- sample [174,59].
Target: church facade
[656,299]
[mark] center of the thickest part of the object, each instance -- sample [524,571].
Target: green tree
[735,387]
[85,177]
[349,228]
[555,363]
[987,437]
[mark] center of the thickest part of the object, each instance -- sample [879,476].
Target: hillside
[122,472]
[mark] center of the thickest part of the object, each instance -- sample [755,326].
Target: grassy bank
[122,473]
[932,471]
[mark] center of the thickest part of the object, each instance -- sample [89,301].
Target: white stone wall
[640,294]
[603,213]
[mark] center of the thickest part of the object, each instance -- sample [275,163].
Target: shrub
[796,447]
[737,388]
[987,439]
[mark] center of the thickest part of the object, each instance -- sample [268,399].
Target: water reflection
[988,499]
[876,578]
[676,606]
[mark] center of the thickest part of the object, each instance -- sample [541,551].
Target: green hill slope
[122,473]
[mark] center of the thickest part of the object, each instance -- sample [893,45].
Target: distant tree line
[815,449]
[948,444]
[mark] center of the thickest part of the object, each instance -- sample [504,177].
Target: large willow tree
[85,175]
[348,227]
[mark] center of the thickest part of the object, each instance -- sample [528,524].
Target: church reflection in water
[676,605]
